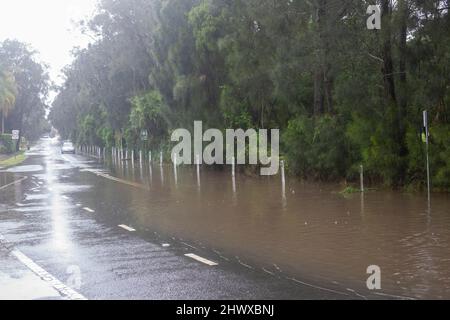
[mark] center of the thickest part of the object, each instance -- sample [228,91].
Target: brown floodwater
[311,233]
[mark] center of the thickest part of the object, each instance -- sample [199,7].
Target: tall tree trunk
[388,66]
[403,100]
[318,91]
[402,97]
[318,72]
[323,80]
[396,97]
[328,88]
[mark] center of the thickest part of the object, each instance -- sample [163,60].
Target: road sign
[144,135]
[425,126]
[15,134]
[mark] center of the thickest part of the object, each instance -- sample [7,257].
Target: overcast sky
[47,25]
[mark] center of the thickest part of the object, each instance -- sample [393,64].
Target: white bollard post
[175,168]
[198,170]
[361,178]
[233,167]
[283,179]
[161,158]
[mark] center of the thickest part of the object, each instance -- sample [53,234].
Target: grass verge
[13,160]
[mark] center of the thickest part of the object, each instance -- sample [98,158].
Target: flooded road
[313,233]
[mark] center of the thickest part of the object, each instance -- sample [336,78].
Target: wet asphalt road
[62,223]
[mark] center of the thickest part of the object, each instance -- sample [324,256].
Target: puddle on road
[25,169]
[32,197]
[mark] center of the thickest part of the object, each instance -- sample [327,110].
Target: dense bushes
[341,95]
[315,147]
[6,144]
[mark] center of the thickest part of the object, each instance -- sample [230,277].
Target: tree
[8,92]
[341,94]
[32,83]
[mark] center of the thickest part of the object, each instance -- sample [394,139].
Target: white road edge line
[126,227]
[64,290]
[88,210]
[202,260]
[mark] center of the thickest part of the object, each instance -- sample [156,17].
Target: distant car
[67,147]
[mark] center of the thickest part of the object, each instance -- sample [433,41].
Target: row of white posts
[123,155]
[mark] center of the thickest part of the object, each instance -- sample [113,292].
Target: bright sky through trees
[48,26]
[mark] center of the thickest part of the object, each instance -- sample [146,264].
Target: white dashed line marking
[64,290]
[165,245]
[127,228]
[200,259]
[65,197]
[88,210]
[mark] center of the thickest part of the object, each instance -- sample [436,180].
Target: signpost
[427,140]
[144,135]
[144,138]
[15,137]
[15,134]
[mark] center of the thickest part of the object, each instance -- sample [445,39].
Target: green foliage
[6,144]
[341,95]
[373,140]
[149,112]
[350,190]
[235,112]
[315,147]
[8,93]
[28,80]
[440,156]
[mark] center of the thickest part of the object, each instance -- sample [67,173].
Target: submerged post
[361,178]
[233,167]
[175,168]
[161,158]
[283,179]
[427,140]
[198,170]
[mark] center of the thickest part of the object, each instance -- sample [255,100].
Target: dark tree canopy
[342,95]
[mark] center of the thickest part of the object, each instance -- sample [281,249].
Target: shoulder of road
[12,160]
[20,283]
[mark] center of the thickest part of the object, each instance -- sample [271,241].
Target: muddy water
[312,233]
